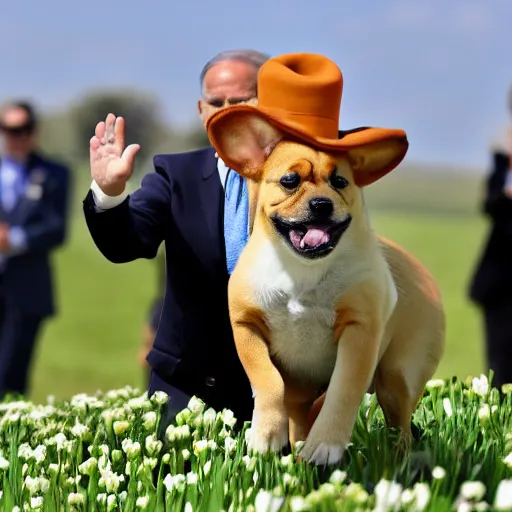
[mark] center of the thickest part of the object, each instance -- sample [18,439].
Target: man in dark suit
[199,209]
[33,221]
[491,286]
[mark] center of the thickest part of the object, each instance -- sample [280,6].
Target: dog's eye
[338,181]
[290,180]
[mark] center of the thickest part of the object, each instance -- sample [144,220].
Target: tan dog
[317,300]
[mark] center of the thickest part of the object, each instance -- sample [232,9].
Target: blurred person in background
[199,208]
[491,286]
[34,193]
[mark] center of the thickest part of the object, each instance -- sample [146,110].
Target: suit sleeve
[51,229]
[496,203]
[135,228]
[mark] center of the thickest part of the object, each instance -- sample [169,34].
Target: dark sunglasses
[17,131]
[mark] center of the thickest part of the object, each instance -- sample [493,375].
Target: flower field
[103,453]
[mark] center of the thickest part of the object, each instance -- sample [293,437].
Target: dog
[317,299]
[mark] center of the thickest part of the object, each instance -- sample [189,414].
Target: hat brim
[386,147]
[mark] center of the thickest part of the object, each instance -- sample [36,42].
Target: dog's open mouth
[311,240]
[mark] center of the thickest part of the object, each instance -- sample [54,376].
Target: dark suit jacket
[42,213]
[181,204]
[492,281]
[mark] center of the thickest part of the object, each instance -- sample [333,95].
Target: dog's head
[307,198]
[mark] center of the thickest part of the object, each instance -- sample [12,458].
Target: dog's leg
[298,413]
[269,428]
[355,365]
[400,380]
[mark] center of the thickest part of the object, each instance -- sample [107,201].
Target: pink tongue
[313,238]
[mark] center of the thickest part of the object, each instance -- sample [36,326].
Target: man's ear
[371,162]
[243,140]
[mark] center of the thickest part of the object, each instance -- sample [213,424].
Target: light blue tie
[236,214]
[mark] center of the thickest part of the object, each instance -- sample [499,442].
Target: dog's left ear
[243,140]
[371,162]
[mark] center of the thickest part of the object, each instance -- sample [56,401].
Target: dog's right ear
[243,140]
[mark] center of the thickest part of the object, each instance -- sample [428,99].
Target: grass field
[93,342]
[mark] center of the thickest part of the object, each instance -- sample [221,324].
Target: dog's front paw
[269,431]
[323,448]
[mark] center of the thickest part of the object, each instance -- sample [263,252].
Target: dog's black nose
[321,206]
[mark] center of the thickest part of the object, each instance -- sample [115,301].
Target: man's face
[227,83]
[18,137]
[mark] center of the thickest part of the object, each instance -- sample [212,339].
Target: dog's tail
[315,411]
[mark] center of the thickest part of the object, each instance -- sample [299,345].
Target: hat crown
[305,86]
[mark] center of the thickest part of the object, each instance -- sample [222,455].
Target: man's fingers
[119,134]
[110,137]
[94,146]
[129,154]
[100,130]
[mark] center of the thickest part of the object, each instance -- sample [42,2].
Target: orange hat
[299,94]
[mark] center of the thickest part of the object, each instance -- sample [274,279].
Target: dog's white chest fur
[298,303]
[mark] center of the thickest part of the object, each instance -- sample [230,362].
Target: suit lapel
[211,224]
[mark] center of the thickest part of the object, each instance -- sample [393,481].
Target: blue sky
[440,69]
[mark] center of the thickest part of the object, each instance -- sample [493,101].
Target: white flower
[39,453]
[209,417]
[298,504]
[132,449]
[337,477]
[153,445]
[196,405]
[36,502]
[150,462]
[473,491]
[75,498]
[183,432]
[464,506]
[485,412]
[289,481]
[160,397]
[480,385]
[438,473]
[191,478]
[32,484]
[185,454]
[200,446]
[149,420]
[175,482]
[435,384]
[228,418]
[422,495]
[387,495]
[503,497]
[266,502]
[53,468]
[4,464]
[287,461]
[120,427]
[207,467]
[507,460]
[230,445]
[447,406]
[79,430]
[88,466]
[250,462]
[407,497]
[142,502]
[188,507]
[111,502]
[44,484]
